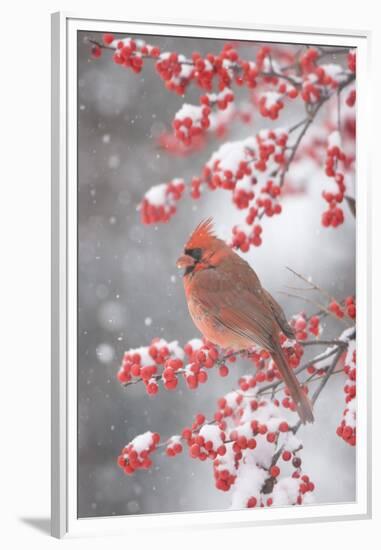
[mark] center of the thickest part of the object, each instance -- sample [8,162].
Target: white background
[25,268]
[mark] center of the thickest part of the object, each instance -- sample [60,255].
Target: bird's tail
[301,400]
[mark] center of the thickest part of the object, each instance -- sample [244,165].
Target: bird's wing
[279,316]
[236,300]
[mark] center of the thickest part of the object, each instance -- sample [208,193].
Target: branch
[269,483]
[235,67]
[316,304]
[334,347]
[192,121]
[181,371]
[324,52]
[247,354]
[316,287]
[306,123]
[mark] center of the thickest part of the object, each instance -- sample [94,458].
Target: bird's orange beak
[184,261]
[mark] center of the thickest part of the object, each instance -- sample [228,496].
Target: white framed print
[211,274]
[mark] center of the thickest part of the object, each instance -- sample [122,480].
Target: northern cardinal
[231,308]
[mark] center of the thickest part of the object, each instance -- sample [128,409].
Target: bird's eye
[195,253]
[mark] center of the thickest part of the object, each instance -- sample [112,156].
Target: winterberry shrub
[251,440]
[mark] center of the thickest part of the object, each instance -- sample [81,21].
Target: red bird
[231,308]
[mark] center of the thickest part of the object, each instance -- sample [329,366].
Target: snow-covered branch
[251,438]
[253,170]
[247,437]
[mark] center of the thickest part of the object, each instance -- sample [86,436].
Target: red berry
[108,38]
[194,450]
[274,471]
[296,462]
[223,370]
[96,51]
[200,419]
[252,502]
[283,427]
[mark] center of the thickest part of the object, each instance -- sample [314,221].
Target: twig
[326,377]
[324,53]
[316,304]
[314,286]
[334,346]
[269,483]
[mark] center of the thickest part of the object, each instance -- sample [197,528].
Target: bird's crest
[203,235]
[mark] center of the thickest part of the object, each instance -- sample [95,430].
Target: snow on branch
[254,175]
[251,438]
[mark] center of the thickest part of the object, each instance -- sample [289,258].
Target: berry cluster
[173,146]
[243,236]
[270,104]
[176,71]
[319,80]
[303,325]
[128,55]
[173,446]
[191,121]
[207,441]
[207,72]
[308,60]
[254,430]
[250,439]
[210,72]
[128,52]
[350,305]
[267,158]
[221,100]
[164,361]
[216,75]
[217,124]
[159,361]
[245,168]
[314,325]
[334,216]
[201,70]
[347,428]
[136,455]
[159,202]
[267,370]
[202,357]
[348,308]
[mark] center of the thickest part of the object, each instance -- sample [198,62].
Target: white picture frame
[64,277]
